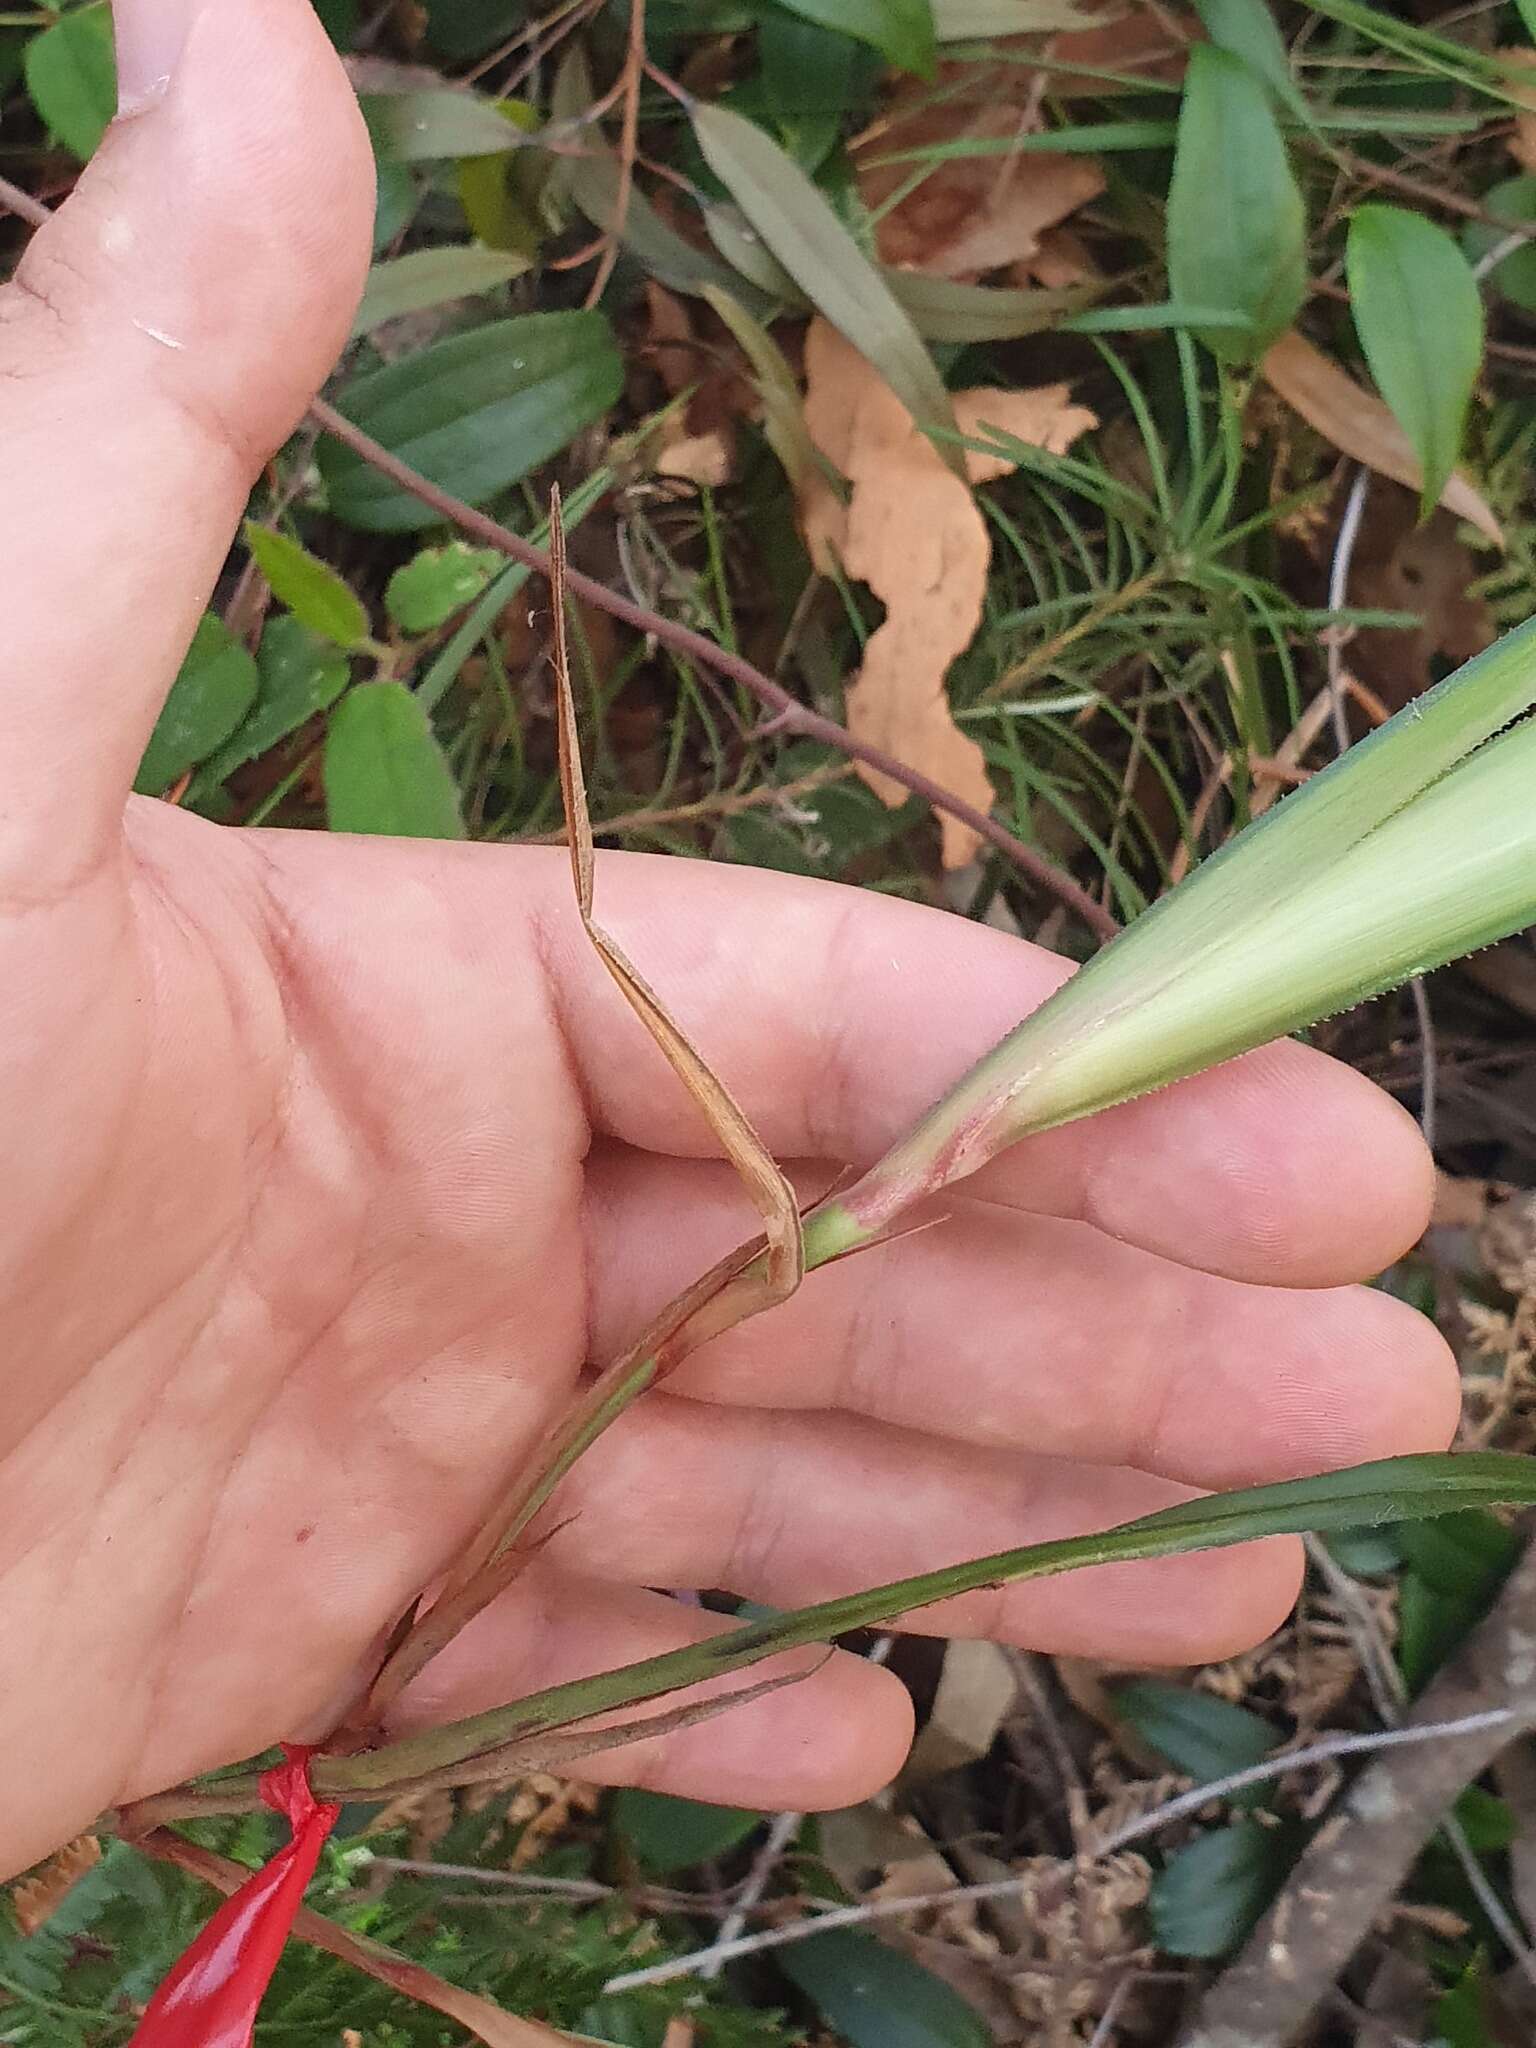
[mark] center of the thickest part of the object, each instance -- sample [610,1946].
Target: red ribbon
[210,1998]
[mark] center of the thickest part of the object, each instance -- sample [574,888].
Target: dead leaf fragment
[37,1898]
[1522,139]
[1359,425]
[977,1690]
[911,530]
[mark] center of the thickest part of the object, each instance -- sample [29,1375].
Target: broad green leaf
[473,413]
[1419,316]
[1201,1735]
[384,770]
[1514,200]
[425,592]
[298,675]
[669,1834]
[72,78]
[310,588]
[901,30]
[1236,223]
[432,277]
[1208,1898]
[1461,2018]
[743,249]
[1527,12]
[1365,1553]
[873,1996]
[440,121]
[501,195]
[1385,864]
[802,231]
[959,21]
[1390,1490]
[1247,29]
[208,699]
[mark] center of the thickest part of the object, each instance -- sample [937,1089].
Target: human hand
[332,1162]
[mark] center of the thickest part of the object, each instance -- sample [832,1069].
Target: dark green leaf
[668,1834]
[384,770]
[310,588]
[432,277]
[901,30]
[72,78]
[426,592]
[808,82]
[1201,1735]
[875,1997]
[474,413]
[1455,1567]
[1487,1821]
[297,676]
[1527,13]
[1207,1899]
[1236,224]
[1419,316]
[1461,2015]
[208,699]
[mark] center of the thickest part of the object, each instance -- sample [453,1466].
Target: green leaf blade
[211,695]
[1236,222]
[800,229]
[474,413]
[875,1997]
[384,770]
[298,675]
[901,30]
[432,277]
[310,588]
[1419,315]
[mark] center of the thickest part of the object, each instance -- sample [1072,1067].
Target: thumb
[161,337]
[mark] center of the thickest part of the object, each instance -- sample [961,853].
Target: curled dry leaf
[37,1898]
[1358,424]
[911,530]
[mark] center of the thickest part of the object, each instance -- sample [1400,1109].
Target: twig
[23,205]
[787,713]
[728,803]
[629,143]
[1179,1808]
[1483,1700]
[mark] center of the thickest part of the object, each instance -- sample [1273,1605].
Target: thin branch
[787,713]
[630,80]
[1179,1808]
[23,205]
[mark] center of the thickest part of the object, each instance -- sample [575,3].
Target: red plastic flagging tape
[210,1998]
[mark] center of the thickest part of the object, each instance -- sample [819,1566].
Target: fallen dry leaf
[1404,565]
[1522,137]
[1359,425]
[911,530]
[971,214]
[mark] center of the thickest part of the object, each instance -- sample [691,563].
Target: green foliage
[875,1997]
[1453,1570]
[1420,321]
[1199,1734]
[298,675]
[384,770]
[1208,1897]
[1236,222]
[901,30]
[313,592]
[72,77]
[426,591]
[666,1834]
[474,413]
[212,693]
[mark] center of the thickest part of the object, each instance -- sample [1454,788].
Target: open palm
[331,1163]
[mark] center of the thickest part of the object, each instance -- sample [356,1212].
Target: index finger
[837,1017]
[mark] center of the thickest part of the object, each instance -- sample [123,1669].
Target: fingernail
[150,35]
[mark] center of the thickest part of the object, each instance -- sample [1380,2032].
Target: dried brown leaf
[37,1898]
[911,530]
[1358,424]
